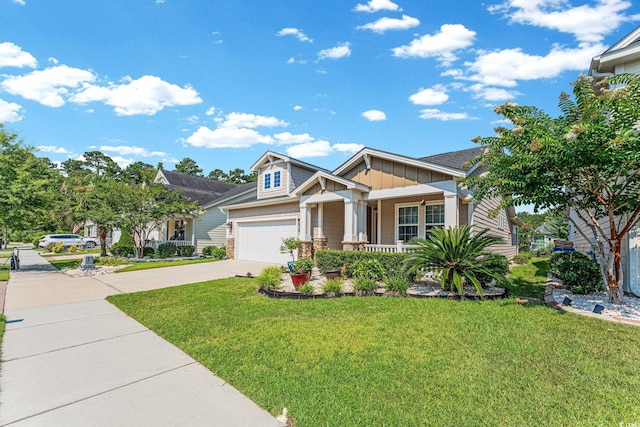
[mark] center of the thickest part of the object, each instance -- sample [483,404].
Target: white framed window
[276,179]
[502,223]
[408,224]
[433,216]
[267,181]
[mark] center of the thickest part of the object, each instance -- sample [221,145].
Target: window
[276,179]
[267,181]
[407,222]
[433,216]
[502,223]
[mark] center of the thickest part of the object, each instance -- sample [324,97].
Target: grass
[160,264]
[402,361]
[66,263]
[3,320]
[529,280]
[4,272]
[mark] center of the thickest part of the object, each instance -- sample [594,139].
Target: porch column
[362,221]
[193,232]
[450,210]
[320,220]
[379,224]
[305,223]
[350,221]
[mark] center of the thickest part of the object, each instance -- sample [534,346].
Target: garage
[260,241]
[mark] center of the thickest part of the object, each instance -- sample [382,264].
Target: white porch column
[305,222]
[362,221]
[320,233]
[450,210]
[350,221]
[193,232]
[379,223]
[634,286]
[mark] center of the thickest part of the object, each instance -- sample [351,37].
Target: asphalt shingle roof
[454,159]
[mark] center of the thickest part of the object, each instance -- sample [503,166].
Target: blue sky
[222,81]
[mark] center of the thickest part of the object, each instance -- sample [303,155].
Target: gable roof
[236,191]
[625,50]
[321,176]
[454,159]
[269,156]
[195,188]
[451,163]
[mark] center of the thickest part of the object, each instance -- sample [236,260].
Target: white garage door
[260,241]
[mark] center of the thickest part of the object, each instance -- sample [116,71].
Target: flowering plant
[289,245]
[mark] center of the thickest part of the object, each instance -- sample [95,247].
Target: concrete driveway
[71,358]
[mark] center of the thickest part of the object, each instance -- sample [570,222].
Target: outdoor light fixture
[598,309]
[230,226]
[566,301]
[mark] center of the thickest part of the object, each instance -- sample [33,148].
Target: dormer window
[272,180]
[267,181]
[276,179]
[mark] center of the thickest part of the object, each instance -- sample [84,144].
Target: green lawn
[402,361]
[4,272]
[75,263]
[529,280]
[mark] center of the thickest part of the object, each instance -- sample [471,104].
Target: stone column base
[306,249]
[353,246]
[319,243]
[230,245]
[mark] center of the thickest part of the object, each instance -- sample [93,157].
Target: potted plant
[301,271]
[290,246]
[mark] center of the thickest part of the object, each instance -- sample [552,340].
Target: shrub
[269,277]
[332,286]
[35,241]
[364,286]
[207,250]
[122,250]
[167,249]
[49,247]
[368,268]
[73,248]
[328,259]
[303,265]
[185,251]
[498,264]
[578,273]
[110,261]
[148,251]
[397,284]
[306,289]
[57,248]
[546,251]
[125,240]
[522,258]
[218,253]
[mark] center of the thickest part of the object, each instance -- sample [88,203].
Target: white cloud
[440,45]
[374,115]
[289,138]
[341,51]
[586,23]
[505,67]
[10,112]
[146,95]
[434,95]
[386,24]
[295,33]
[12,55]
[377,5]
[433,113]
[492,93]
[227,138]
[350,148]
[126,150]
[211,111]
[251,121]
[54,150]
[20,2]
[310,149]
[297,107]
[121,161]
[49,86]
[293,60]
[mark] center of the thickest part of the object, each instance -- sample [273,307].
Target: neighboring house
[209,229]
[622,57]
[375,201]
[542,238]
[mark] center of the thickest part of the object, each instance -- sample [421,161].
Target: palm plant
[457,256]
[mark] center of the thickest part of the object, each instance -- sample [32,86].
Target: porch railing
[181,242]
[397,248]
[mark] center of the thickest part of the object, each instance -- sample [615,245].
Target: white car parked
[68,240]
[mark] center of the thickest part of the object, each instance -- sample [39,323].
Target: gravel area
[630,309]
[98,271]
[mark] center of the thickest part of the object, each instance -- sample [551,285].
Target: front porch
[181,231]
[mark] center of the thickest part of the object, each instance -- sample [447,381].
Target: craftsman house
[375,201]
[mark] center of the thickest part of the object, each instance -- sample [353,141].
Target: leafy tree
[189,166]
[587,159]
[101,164]
[557,225]
[236,176]
[456,255]
[140,172]
[529,230]
[218,175]
[25,184]
[146,207]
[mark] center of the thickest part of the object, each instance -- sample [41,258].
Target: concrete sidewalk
[71,358]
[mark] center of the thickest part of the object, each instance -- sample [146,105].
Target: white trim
[319,175]
[264,218]
[259,203]
[446,187]
[420,223]
[397,158]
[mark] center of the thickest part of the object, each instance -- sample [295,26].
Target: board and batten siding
[483,217]
[389,174]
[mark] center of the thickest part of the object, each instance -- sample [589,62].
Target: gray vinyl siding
[298,176]
[266,212]
[484,217]
[211,227]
